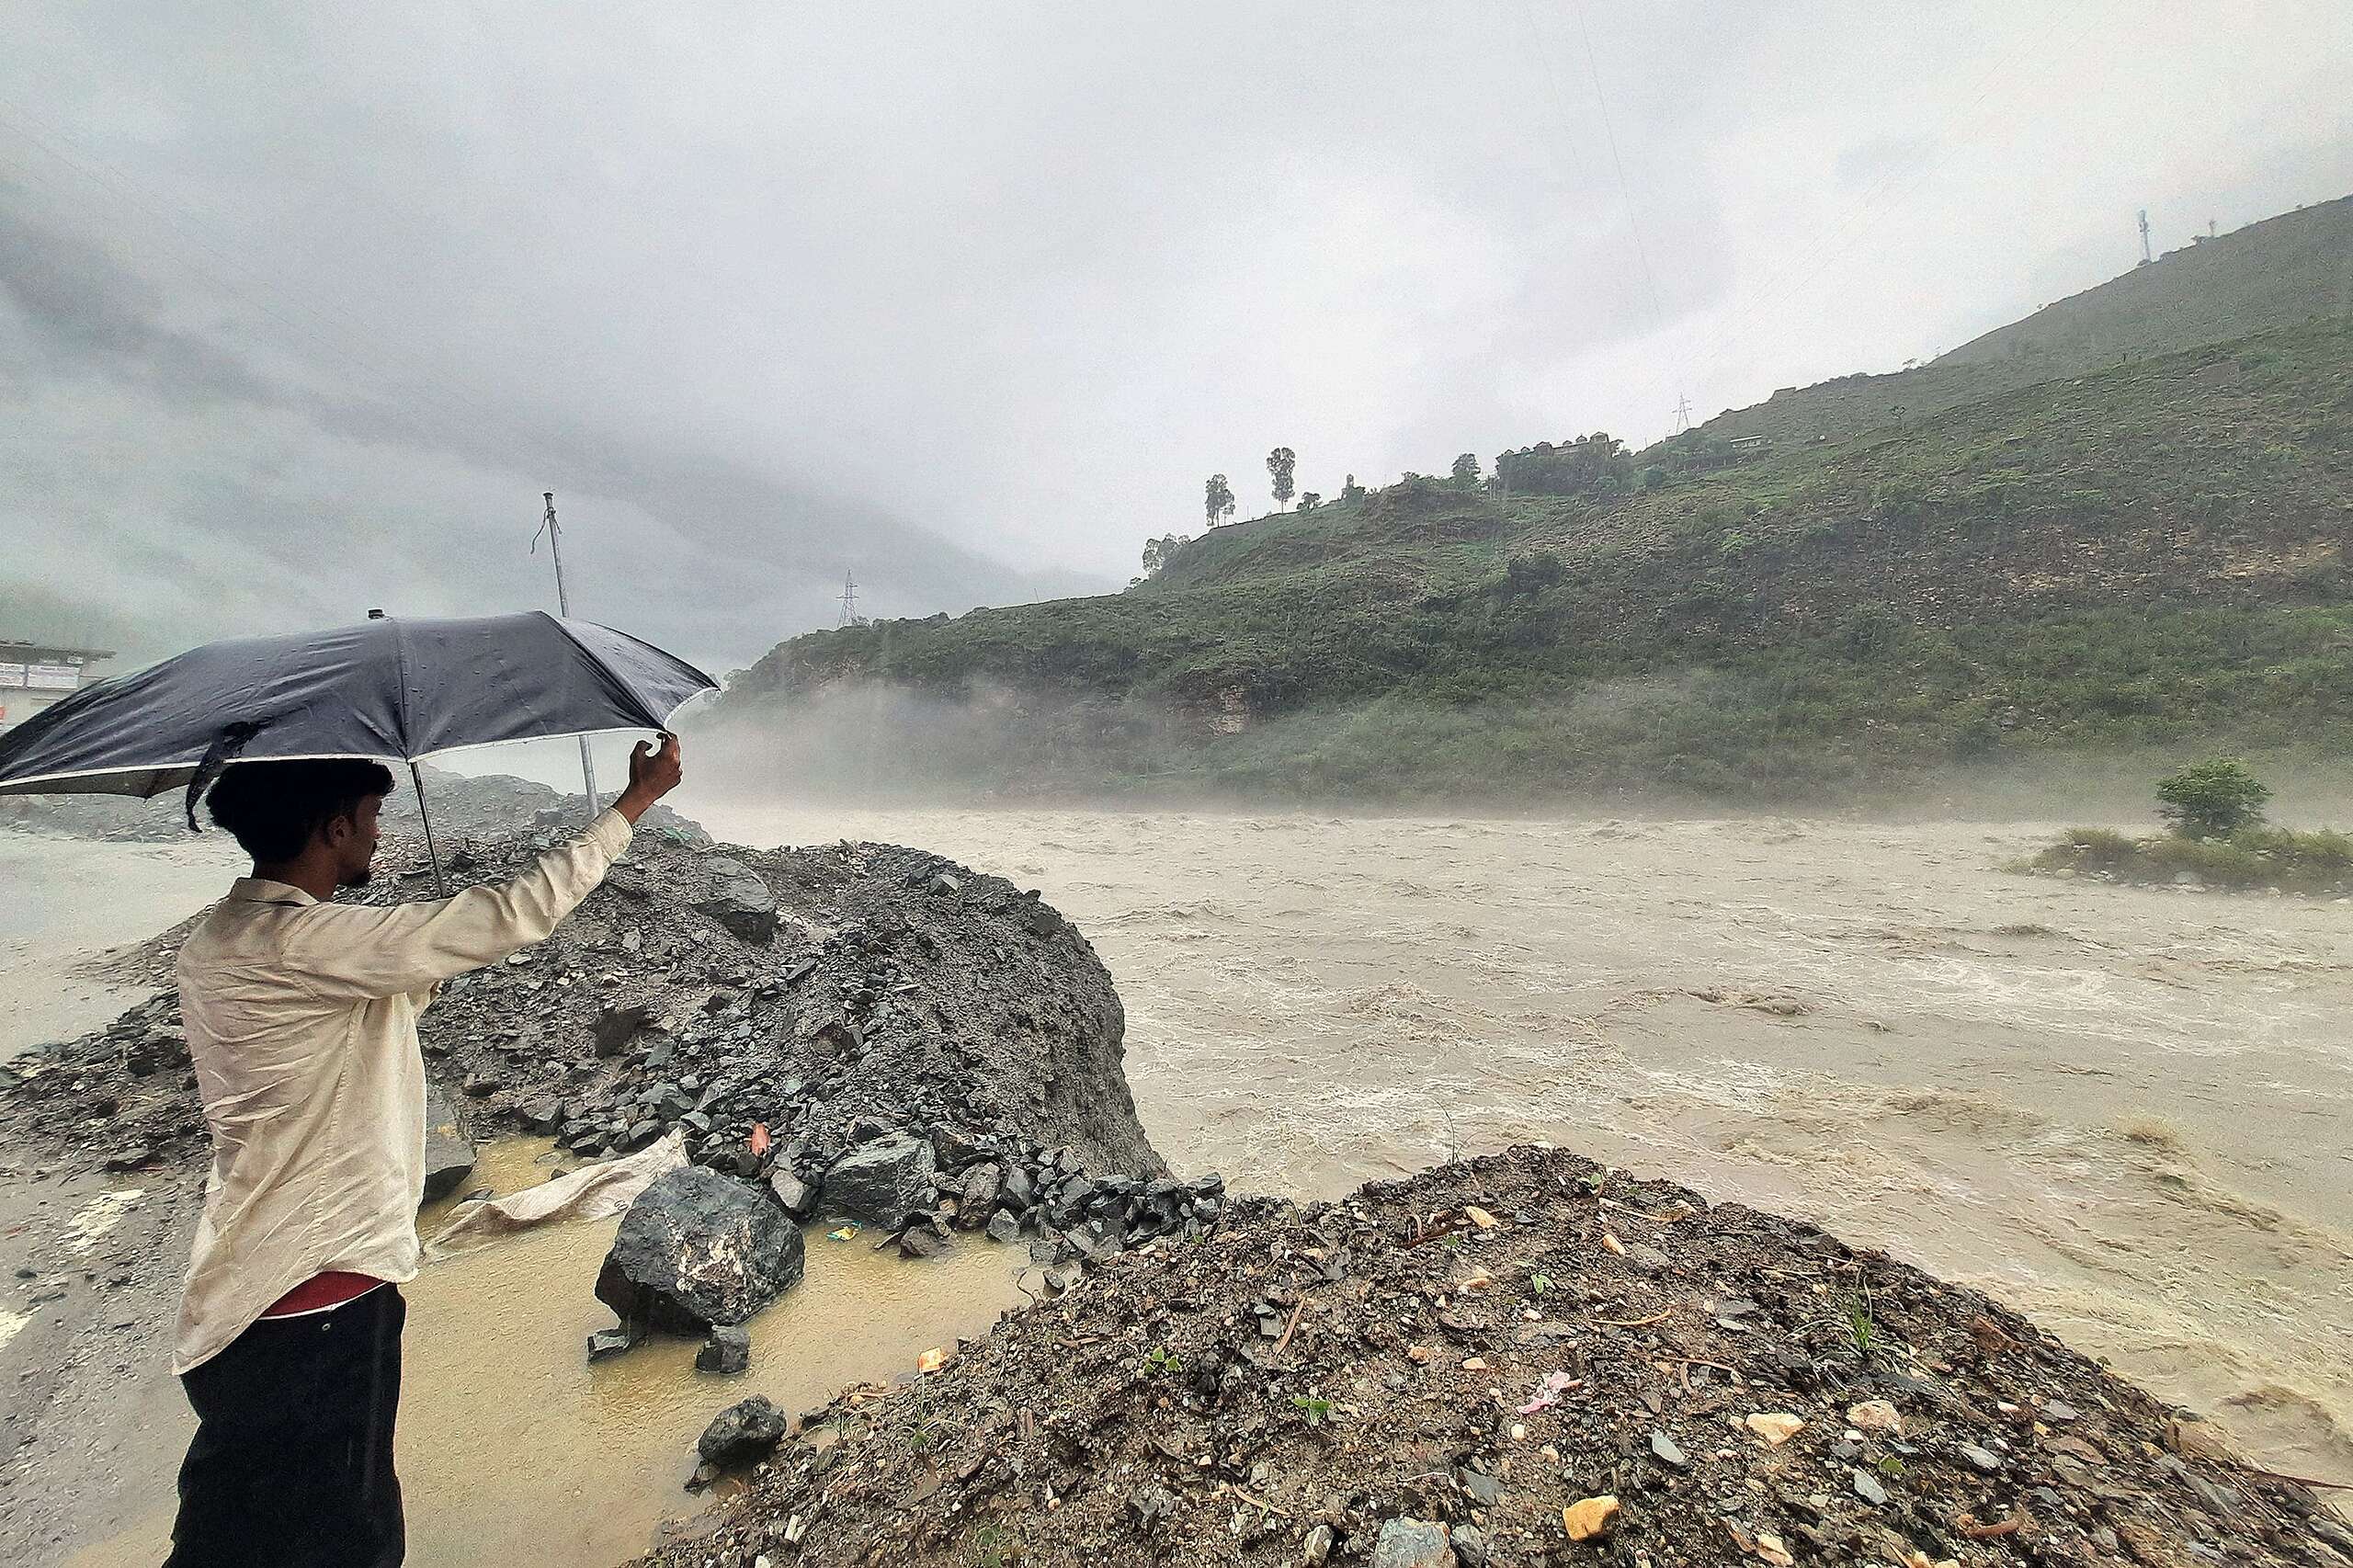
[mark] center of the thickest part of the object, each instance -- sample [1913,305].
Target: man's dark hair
[272,808]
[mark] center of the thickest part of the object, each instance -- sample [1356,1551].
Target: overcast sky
[302,305]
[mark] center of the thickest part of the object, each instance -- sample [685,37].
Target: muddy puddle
[514,1451]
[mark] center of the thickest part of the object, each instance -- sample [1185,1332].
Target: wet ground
[512,1449]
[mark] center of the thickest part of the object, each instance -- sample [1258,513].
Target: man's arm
[360,952]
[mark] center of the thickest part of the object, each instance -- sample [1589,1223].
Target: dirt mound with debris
[1524,1359]
[782,1007]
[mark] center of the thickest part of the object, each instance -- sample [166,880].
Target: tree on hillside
[1280,464]
[1219,500]
[1352,491]
[1466,471]
[1309,501]
[2212,799]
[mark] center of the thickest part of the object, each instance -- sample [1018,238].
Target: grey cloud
[83,316]
[968,300]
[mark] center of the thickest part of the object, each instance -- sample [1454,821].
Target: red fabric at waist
[321,1291]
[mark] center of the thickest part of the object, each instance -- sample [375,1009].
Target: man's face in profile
[353,840]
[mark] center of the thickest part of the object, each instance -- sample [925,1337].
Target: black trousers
[293,1462]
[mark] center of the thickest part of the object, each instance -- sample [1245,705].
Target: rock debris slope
[782,1009]
[1521,1359]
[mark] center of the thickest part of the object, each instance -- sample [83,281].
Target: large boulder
[449,1152]
[977,1201]
[881,1183]
[739,900]
[699,1248]
[744,1431]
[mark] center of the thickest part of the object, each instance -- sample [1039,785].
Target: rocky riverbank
[1525,1359]
[864,1028]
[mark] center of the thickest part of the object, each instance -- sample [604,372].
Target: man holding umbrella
[300,1012]
[301,1015]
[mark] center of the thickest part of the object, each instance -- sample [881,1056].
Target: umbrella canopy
[393,689]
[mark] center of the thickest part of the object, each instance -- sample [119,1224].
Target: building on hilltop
[35,675]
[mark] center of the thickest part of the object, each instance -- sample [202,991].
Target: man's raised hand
[652,773]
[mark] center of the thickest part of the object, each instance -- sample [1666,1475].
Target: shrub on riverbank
[2218,840]
[2318,863]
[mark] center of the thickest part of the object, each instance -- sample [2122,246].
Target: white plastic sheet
[591,1192]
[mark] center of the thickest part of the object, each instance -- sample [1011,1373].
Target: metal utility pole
[2144,236]
[1682,413]
[563,607]
[849,598]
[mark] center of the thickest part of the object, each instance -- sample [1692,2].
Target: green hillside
[2151,555]
[2292,270]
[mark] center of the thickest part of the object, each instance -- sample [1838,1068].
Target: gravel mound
[896,993]
[1524,1359]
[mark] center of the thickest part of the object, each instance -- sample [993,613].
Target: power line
[1625,192]
[1553,80]
[1784,283]
[1617,164]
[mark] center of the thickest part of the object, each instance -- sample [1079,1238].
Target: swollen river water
[2128,1112]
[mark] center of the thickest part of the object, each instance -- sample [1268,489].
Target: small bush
[2212,799]
[1533,573]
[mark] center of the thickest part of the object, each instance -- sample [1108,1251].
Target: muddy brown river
[2128,1112]
[2124,1111]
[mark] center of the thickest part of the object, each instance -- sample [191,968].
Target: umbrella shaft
[588,777]
[432,853]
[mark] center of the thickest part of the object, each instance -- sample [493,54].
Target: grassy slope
[2286,271]
[2147,555]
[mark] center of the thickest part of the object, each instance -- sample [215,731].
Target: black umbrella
[391,689]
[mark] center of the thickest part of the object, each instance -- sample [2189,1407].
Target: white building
[34,675]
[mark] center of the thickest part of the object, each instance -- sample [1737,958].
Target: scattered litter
[1548,1393]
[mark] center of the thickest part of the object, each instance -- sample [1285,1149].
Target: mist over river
[2123,1110]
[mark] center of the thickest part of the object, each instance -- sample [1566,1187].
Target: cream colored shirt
[301,1019]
